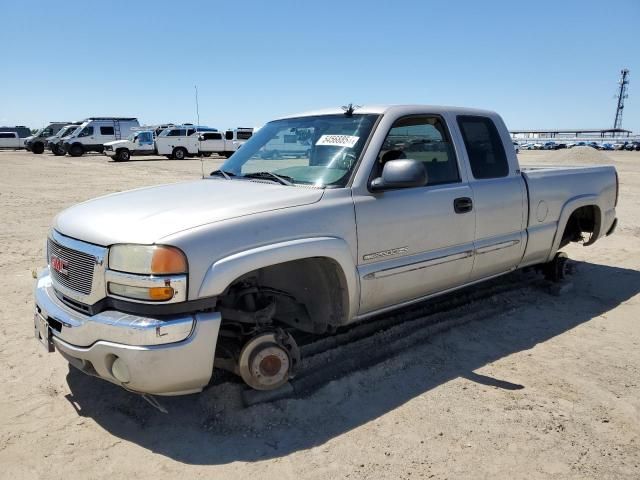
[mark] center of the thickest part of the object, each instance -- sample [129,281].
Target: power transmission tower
[622,94]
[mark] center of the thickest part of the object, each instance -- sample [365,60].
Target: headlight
[147,259]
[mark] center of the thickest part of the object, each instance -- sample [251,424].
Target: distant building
[565,134]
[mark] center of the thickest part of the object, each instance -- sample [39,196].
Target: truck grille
[79,267]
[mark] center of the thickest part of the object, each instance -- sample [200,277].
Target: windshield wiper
[226,175]
[281,179]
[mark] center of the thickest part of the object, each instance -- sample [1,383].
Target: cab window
[228,135]
[423,138]
[484,147]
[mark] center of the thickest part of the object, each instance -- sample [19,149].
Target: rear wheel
[57,150]
[206,154]
[557,269]
[37,148]
[76,150]
[179,153]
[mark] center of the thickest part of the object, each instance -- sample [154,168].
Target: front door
[415,241]
[145,143]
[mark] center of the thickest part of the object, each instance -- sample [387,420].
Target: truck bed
[555,192]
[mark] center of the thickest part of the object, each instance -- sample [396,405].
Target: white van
[290,144]
[180,141]
[55,143]
[94,132]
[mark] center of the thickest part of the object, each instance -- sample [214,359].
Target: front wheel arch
[225,271]
[318,284]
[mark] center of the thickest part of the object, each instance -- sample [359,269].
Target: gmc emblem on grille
[59,265]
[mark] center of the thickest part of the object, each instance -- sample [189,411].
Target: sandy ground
[538,386]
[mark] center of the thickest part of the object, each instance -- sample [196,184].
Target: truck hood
[117,143]
[147,215]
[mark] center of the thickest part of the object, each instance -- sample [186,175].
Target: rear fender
[571,206]
[222,273]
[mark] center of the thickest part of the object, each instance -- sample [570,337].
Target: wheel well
[316,284]
[585,219]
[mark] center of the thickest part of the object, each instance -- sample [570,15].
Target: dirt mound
[583,156]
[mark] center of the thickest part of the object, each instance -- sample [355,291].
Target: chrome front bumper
[172,356]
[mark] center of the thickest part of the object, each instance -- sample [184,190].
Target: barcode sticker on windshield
[338,140]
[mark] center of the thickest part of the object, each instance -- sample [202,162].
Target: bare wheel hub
[265,362]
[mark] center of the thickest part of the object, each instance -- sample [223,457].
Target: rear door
[499,196]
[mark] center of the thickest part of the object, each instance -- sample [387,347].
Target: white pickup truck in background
[184,141]
[223,144]
[180,141]
[137,144]
[11,140]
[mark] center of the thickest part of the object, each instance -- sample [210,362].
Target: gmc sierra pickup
[382,206]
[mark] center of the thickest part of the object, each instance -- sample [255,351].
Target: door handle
[462,205]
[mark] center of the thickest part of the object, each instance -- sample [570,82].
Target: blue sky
[539,64]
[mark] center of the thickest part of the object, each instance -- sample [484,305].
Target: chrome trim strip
[177,282]
[425,297]
[387,272]
[496,246]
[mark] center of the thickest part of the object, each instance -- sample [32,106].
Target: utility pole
[622,94]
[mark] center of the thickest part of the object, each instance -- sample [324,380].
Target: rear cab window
[485,150]
[212,136]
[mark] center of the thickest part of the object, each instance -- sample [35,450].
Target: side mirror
[401,173]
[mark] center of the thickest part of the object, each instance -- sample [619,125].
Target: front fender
[223,272]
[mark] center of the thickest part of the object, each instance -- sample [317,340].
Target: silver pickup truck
[371,209]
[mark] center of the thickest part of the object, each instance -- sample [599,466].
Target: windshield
[71,131]
[64,131]
[320,151]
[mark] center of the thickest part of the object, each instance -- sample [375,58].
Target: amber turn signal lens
[168,260]
[161,293]
[156,294]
